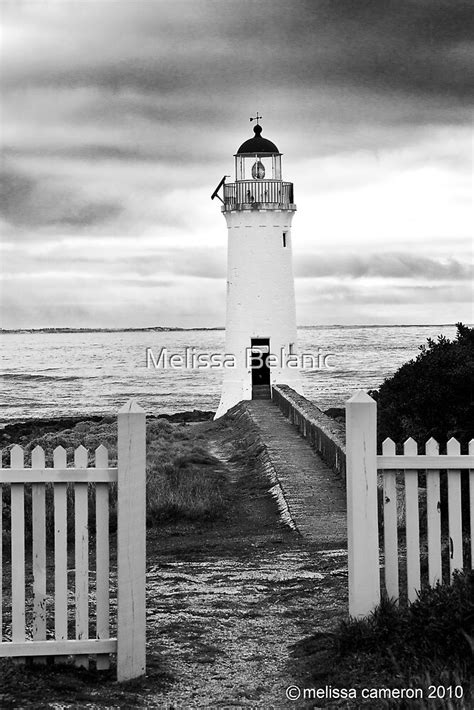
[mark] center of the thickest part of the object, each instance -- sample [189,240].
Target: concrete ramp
[314,494]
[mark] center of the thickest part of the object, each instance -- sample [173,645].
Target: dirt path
[225,606]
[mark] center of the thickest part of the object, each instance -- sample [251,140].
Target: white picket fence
[362,514]
[129,644]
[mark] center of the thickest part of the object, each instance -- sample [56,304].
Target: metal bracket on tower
[214,194]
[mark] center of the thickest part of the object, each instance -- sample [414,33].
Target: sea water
[62,374]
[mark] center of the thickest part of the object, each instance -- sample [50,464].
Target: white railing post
[131,528]
[362,524]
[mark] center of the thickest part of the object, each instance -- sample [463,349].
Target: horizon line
[157,328]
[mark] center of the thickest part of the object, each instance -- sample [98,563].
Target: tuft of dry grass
[184,482]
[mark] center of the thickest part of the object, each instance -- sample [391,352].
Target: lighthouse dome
[258,145]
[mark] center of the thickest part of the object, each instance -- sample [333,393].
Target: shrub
[435,630]
[433,394]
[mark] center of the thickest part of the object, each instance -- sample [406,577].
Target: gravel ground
[226,626]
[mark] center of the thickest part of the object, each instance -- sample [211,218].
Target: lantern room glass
[245,162]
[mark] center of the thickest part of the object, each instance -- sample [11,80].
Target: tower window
[284,238]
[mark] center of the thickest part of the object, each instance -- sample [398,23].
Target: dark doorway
[260,349]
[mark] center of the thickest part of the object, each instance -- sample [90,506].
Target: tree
[431,395]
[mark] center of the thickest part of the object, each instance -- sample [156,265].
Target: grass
[429,642]
[183,481]
[63,684]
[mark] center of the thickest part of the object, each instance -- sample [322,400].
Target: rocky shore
[22,431]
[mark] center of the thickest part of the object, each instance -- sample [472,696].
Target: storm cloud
[161,47]
[29,202]
[395,266]
[120,118]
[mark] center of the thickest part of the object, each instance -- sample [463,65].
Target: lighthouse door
[260,349]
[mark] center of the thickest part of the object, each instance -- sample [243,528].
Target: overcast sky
[120,118]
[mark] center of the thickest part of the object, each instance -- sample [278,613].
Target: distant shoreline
[166,329]
[151,329]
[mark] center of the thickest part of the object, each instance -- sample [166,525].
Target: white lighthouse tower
[261,320]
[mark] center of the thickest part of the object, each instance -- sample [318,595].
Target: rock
[337,413]
[197,415]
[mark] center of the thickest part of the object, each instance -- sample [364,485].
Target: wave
[43,378]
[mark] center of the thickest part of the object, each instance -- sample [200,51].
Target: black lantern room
[258,158]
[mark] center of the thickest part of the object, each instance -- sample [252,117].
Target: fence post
[131,528]
[362,524]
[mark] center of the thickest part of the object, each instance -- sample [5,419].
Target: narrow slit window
[284,238]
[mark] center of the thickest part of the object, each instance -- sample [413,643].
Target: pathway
[314,494]
[229,603]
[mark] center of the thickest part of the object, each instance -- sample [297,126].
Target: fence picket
[471,503]
[362,515]
[18,549]
[102,555]
[60,551]
[433,513]
[390,525]
[131,607]
[412,521]
[454,511]
[81,546]
[39,551]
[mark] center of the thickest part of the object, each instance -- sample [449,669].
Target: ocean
[62,374]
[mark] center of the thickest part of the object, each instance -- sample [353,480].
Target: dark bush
[433,394]
[437,628]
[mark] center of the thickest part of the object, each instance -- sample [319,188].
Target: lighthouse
[260,318]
